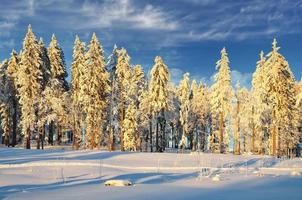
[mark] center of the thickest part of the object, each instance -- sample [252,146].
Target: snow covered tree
[29,84]
[259,105]
[4,102]
[56,85]
[113,98]
[221,96]
[77,67]
[96,88]
[158,91]
[123,76]
[281,94]
[12,71]
[184,98]
[130,128]
[201,110]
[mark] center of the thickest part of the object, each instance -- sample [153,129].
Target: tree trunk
[221,132]
[43,137]
[58,138]
[50,133]
[156,136]
[27,139]
[122,127]
[14,125]
[38,140]
[237,133]
[150,132]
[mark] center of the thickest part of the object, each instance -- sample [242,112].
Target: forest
[109,103]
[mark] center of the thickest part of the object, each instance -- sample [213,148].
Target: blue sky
[188,34]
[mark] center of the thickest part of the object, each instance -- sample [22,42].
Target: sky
[187,34]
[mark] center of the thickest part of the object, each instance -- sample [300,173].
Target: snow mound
[118,183]
[295,173]
[216,178]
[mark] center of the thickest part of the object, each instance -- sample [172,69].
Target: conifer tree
[57,85]
[281,95]
[77,67]
[158,91]
[221,95]
[201,111]
[4,102]
[259,106]
[12,71]
[184,99]
[123,75]
[113,98]
[29,83]
[130,128]
[95,90]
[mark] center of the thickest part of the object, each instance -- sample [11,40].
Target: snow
[67,174]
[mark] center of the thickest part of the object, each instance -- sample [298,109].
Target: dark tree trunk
[14,125]
[156,136]
[58,138]
[50,133]
[27,140]
[122,127]
[150,132]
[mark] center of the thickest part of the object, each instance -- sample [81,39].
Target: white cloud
[125,14]
[243,78]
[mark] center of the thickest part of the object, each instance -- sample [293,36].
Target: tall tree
[281,94]
[123,75]
[184,98]
[57,85]
[259,106]
[158,91]
[29,84]
[77,67]
[130,128]
[95,90]
[12,71]
[221,95]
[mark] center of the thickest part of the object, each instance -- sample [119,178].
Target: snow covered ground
[65,174]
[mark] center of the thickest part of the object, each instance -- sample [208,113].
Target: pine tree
[221,96]
[123,75]
[158,91]
[130,128]
[29,81]
[77,67]
[184,98]
[281,95]
[95,90]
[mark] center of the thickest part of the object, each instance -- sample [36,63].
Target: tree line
[111,103]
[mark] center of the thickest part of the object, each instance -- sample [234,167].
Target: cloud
[243,78]
[126,14]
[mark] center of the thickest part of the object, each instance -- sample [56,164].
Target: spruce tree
[281,95]
[29,81]
[221,96]
[77,67]
[96,89]
[158,91]
[123,75]
[130,128]
[184,99]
